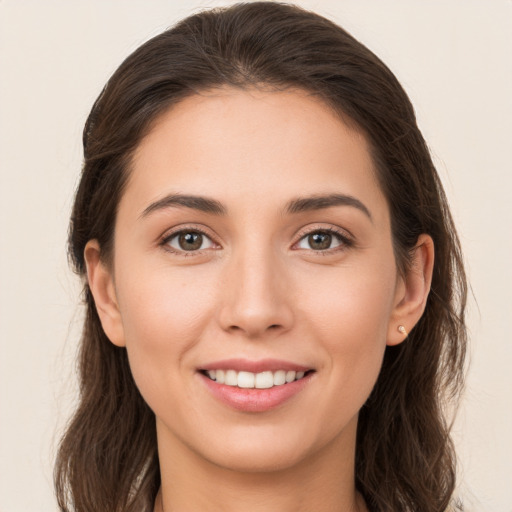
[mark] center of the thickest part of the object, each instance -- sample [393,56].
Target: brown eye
[323,240]
[189,241]
[320,241]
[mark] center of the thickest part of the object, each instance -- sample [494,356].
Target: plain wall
[453,57]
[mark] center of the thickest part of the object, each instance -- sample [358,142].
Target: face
[253,278]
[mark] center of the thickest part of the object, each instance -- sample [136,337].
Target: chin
[259,460]
[275,448]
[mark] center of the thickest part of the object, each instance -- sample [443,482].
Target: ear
[412,291]
[101,284]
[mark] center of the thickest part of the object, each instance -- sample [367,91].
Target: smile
[255,385]
[250,380]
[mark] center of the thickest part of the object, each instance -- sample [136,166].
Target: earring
[402,330]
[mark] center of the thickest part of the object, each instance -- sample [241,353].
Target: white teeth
[231,378]
[264,380]
[290,376]
[249,380]
[245,380]
[279,378]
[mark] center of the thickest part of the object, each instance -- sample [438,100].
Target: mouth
[255,386]
[249,380]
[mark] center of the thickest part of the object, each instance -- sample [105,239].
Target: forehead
[265,146]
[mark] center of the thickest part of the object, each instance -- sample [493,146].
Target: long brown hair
[108,457]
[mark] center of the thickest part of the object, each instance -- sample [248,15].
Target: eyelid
[185,228]
[346,238]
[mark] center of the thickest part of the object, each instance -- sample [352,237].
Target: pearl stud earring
[402,330]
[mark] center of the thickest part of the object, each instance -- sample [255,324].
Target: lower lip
[255,400]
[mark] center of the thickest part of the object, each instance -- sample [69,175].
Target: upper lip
[261,365]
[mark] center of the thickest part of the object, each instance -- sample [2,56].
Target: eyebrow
[203,204]
[319,202]
[298,205]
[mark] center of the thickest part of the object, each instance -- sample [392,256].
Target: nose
[255,295]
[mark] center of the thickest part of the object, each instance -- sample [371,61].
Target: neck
[358,505]
[323,482]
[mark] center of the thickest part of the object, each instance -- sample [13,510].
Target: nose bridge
[254,300]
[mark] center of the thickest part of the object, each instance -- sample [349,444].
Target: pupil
[320,241]
[190,241]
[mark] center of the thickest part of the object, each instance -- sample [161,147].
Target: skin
[257,289]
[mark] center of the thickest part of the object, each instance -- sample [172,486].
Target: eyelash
[187,229]
[345,241]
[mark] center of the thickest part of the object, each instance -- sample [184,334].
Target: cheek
[158,308]
[353,329]
[164,316]
[350,303]
[349,314]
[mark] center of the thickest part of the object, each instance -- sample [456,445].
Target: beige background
[452,56]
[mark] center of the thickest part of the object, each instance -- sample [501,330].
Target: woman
[266,328]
